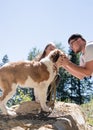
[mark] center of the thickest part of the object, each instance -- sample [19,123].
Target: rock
[64,116]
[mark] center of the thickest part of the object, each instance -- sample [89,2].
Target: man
[78,44]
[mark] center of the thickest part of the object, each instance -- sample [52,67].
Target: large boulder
[65,116]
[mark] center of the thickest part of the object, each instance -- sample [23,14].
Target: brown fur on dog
[18,72]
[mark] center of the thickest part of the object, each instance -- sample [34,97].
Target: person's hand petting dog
[63,61]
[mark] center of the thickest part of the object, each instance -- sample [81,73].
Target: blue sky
[25,24]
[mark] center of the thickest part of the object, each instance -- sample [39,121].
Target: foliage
[4,60]
[62,93]
[21,95]
[87,108]
[78,87]
[33,53]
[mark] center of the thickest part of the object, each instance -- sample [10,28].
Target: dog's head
[55,54]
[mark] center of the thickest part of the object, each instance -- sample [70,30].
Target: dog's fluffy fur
[37,75]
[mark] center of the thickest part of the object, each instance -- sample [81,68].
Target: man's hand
[62,61]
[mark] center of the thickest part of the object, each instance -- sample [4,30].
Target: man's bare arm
[77,71]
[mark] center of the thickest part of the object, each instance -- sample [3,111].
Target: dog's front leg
[36,95]
[42,95]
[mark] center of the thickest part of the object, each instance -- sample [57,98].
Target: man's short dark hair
[75,36]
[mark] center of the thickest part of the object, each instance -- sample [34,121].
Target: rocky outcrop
[65,116]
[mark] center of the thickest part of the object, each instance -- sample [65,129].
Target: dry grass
[88,110]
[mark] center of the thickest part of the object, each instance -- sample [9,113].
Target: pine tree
[33,53]
[4,60]
[77,87]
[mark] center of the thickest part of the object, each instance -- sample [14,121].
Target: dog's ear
[55,55]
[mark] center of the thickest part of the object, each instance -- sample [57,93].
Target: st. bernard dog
[37,75]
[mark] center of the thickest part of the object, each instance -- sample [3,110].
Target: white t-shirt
[88,55]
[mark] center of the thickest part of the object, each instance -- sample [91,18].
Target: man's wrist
[68,64]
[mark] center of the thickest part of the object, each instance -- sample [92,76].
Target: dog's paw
[12,113]
[47,109]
